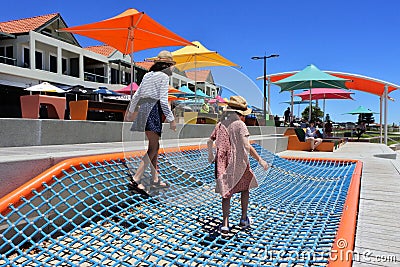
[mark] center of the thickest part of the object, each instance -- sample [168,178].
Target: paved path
[378,219]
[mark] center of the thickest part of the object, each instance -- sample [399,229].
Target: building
[33,51]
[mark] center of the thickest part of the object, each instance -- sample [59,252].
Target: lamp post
[265,85]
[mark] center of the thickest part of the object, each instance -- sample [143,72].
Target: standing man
[286,115]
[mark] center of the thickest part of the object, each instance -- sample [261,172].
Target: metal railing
[8,60]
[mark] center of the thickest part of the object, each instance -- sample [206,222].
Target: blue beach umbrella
[105,91]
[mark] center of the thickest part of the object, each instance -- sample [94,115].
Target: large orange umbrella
[129,32]
[172,91]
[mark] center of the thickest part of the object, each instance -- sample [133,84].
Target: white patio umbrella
[45,87]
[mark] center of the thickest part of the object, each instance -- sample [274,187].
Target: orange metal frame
[344,241]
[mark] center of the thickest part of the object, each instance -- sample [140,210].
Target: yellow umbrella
[198,56]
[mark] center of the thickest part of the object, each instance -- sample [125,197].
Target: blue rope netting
[88,217]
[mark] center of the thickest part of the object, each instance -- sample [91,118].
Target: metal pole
[265,90]
[291,105]
[386,113]
[269,97]
[380,118]
[310,105]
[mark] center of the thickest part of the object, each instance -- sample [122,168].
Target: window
[39,60]
[27,61]
[7,55]
[64,66]
[2,55]
[53,63]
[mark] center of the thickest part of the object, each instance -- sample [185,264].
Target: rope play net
[86,216]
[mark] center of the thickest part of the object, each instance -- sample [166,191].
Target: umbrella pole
[298,111]
[132,65]
[310,105]
[132,73]
[291,106]
[195,79]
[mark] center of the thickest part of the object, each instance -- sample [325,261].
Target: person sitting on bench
[312,136]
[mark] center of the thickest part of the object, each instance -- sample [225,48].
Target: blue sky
[358,37]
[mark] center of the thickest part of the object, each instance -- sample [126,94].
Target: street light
[265,85]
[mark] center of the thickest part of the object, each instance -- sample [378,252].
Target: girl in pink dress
[232,166]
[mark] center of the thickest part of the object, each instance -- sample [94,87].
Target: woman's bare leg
[154,146]
[226,206]
[152,152]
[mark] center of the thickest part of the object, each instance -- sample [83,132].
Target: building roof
[25,25]
[144,64]
[199,75]
[104,50]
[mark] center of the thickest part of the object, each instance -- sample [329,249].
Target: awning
[14,84]
[358,82]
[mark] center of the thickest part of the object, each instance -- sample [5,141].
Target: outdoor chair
[297,141]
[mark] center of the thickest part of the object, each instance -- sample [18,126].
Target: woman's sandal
[158,184]
[135,187]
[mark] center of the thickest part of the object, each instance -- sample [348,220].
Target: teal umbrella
[361,110]
[308,78]
[200,93]
[186,90]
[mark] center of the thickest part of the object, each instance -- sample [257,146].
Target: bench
[79,109]
[200,118]
[30,105]
[296,141]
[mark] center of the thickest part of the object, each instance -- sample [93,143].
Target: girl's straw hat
[239,105]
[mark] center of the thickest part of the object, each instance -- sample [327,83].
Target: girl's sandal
[223,230]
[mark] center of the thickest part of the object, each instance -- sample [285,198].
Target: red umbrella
[325,93]
[127,89]
[217,98]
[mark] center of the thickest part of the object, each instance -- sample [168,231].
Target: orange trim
[343,246]
[321,159]
[25,190]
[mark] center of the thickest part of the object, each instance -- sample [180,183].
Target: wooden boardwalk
[378,223]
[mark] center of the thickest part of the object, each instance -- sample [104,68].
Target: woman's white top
[154,85]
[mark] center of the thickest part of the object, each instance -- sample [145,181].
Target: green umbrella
[361,110]
[308,78]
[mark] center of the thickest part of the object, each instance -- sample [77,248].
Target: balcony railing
[8,60]
[91,77]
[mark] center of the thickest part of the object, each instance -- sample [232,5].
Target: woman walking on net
[232,166]
[150,102]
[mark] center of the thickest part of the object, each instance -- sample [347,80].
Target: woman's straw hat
[239,105]
[165,56]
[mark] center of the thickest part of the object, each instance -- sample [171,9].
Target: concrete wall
[29,132]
